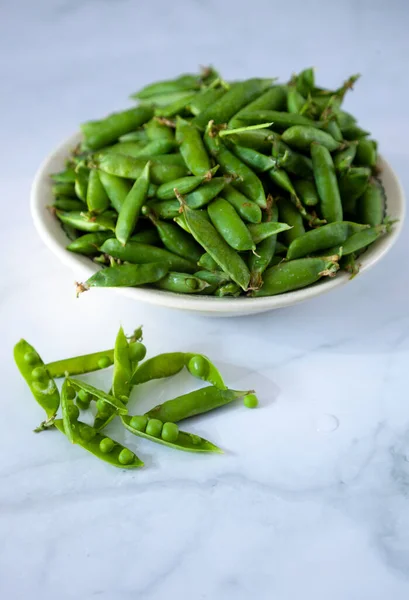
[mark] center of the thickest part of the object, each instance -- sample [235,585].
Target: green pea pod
[232,101]
[179,84]
[97,198]
[307,192]
[360,240]
[290,215]
[291,161]
[65,176]
[281,248]
[98,134]
[100,446]
[138,253]
[261,231]
[168,99]
[206,192]
[81,181]
[38,379]
[192,148]
[65,403]
[99,394]
[116,189]
[273,99]
[371,205]
[176,107]
[204,99]
[258,139]
[184,185]
[131,168]
[254,159]
[139,135]
[200,366]
[121,378]
[158,147]
[194,403]
[64,189]
[295,274]
[182,283]
[158,367]
[126,276]
[280,120]
[165,209]
[176,240]
[353,132]
[229,225]
[301,137]
[352,184]
[69,204]
[343,159]
[282,180]
[214,278]
[228,289]
[181,221]
[85,222]
[305,81]
[245,180]
[247,209]
[262,257]
[333,234]
[326,182]
[155,129]
[366,153]
[126,148]
[131,208]
[78,365]
[184,441]
[207,262]
[209,238]
[295,101]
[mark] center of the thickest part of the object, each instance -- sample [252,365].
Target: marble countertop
[311,499]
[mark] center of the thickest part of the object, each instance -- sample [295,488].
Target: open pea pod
[170,436]
[77,365]
[100,394]
[200,366]
[100,446]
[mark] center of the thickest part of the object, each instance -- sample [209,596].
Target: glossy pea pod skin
[181,440]
[207,262]
[272,99]
[255,160]
[215,279]
[260,139]
[204,99]
[157,130]
[326,182]
[89,243]
[131,207]
[69,204]
[177,241]
[301,137]
[243,177]
[78,365]
[131,168]
[101,446]
[81,181]
[98,134]
[307,192]
[86,222]
[192,404]
[184,185]
[352,184]
[281,121]
[158,367]
[37,377]
[200,366]
[229,225]
[192,148]
[295,274]
[179,84]
[78,385]
[64,188]
[121,378]
[181,283]
[245,208]
[321,238]
[371,205]
[343,159]
[97,198]
[289,214]
[305,81]
[139,253]
[261,258]
[129,275]
[366,153]
[360,240]
[65,176]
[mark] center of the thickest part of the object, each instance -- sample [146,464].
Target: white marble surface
[292,510]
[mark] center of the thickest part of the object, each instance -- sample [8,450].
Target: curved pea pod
[139,254]
[128,275]
[169,99]
[99,394]
[344,119]
[184,441]
[326,182]
[353,132]
[280,120]
[295,274]
[64,188]
[262,231]
[182,283]
[176,240]
[228,289]
[184,185]
[131,207]
[200,366]
[333,234]
[260,139]
[213,243]
[305,81]
[260,259]
[181,221]
[254,159]
[65,405]
[178,106]
[282,180]
[331,126]
[352,184]
[192,148]
[98,134]
[301,137]
[295,100]
[131,168]
[158,367]
[127,148]
[116,189]
[229,225]
[65,176]
[139,135]
[165,209]
[147,236]
[157,130]
[232,101]
[207,262]
[343,159]
[194,403]
[101,446]
[121,377]
[205,192]
[290,215]
[292,162]
[371,205]
[247,209]
[86,222]
[78,365]
[40,382]
[245,179]
[69,204]
[81,181]
[154,148]
[366,153]
[204,99]
[214,278]
[179,84]
[273,99]
[307,192]
[360,240]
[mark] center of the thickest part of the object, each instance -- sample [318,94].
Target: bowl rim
[41,196]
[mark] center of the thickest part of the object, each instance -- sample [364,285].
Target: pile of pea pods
[223,188]
[99,407]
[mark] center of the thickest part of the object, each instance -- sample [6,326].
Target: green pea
[31,358]
[85,397]
[104,362]
[199,366]
[126,457]
[154,427]
[102,406]
[70,393]
[86,432]
[170,432]
[73,412]
[139,422]
[250,401]
[106,445]
[137,351]
[39,374]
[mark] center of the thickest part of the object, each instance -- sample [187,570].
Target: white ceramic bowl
[54,237]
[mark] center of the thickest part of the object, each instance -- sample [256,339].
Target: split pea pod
[182,283]
[343,159]
[262,231]
[37,377]
[139,253]
[121,377]
[78,365]
[261,258]
[326,182]
[131,207]
[366,153]
[247,209]
[192,148]
[127,275]
[371,205]
[99,394]
[98,134]
[158,367]
[176,240]
[207,262]
[229,225]
[165,209]
[116,189]
[333,234]
[352,184]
